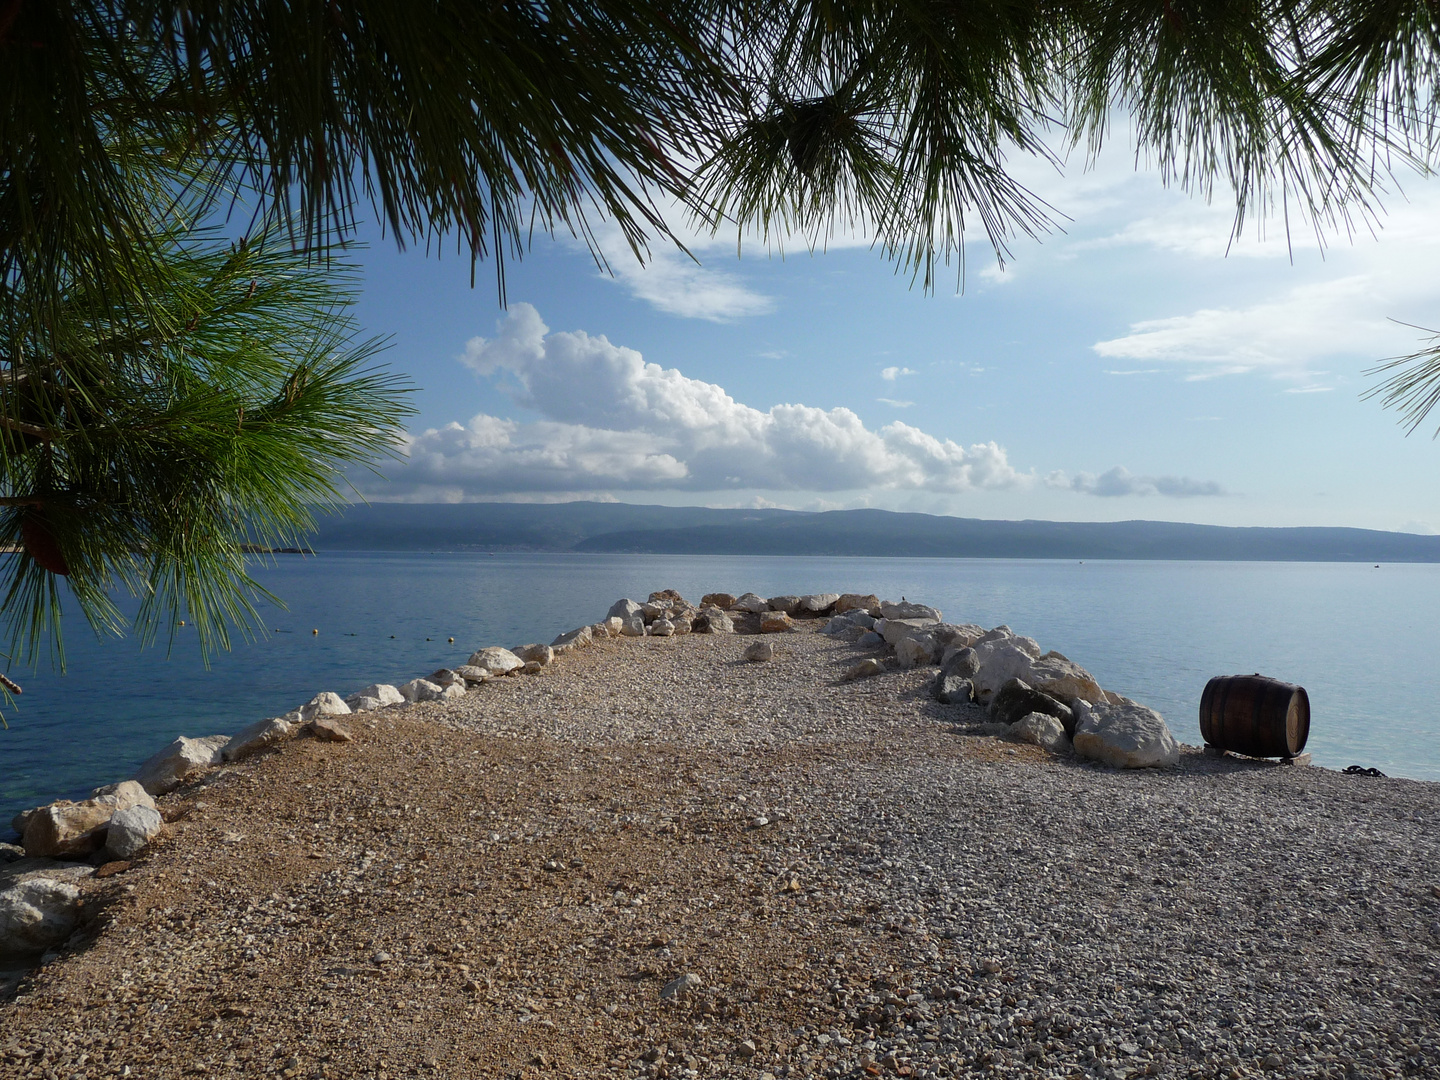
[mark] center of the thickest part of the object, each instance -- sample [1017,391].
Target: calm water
[1365,642]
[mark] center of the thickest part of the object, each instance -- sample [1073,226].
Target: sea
[1363,640]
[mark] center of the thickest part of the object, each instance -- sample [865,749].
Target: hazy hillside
[622,527]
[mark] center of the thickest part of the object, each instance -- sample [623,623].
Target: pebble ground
[506,885]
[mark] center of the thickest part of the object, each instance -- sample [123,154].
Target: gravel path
[508,884]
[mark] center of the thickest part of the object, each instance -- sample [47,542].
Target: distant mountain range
[693,530]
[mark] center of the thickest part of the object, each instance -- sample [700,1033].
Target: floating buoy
[314,631]
[392,637]
[452,641]
[182,622]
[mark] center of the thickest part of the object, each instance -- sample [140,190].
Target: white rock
[359,703]
[602,630]
[541,654]
[1062,678]
[422,690]
[1028,645]
[258,736]
[381,692]
[37,914]
[907,610]
[1042,730]
[1126,736]
[453,691]
[634,626]
[751,603]
[1000,661]
[688,981]
[326,703]
[652,610]
[183,760]
[760,650]
[70,829]
[469,673]
[818,602]
[916,650]
[495,660]
[895,630]
[131,829]
[623,609]
[579,638]
[682,623]
[662,628]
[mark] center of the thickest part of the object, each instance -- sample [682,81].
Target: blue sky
[1127,367]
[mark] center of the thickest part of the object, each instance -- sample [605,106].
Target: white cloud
[890,374]
[894,404]
[1119,481]
[611,421]
[677,285]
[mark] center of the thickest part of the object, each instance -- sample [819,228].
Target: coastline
[507,882]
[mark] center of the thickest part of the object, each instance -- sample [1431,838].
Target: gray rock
[75,829]
[422,690]
[1018,699]
[131,829]
[952,690]
[856,602]
[469,672]
[869,640]
[916,650]
[963,663]
[865,669]
[662,627]
[37,914]
[1042,730]
[688,981]
[1126,736]
[579,638]
[712,620]
[633,626]
[10,852]
[761,650]
[790,605]
[540,654]
[816,604]
[895,630]
[751,603]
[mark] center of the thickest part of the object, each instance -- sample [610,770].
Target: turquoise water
[1365,642]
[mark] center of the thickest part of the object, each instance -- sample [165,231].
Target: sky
[1134,363]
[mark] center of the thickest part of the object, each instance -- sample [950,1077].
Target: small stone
[776,622]
[990,967]
[745,1050]
[865,669]
[131,829]
[688,981]
[760,823]
[761,650]
[382,957]
[110,869]
[1273,1062]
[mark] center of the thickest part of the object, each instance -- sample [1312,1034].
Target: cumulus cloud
[890,374]
[612,421]
[1120,481]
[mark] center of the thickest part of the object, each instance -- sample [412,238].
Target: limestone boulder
[37,914]
[540,654]
[578,638]
[755,605]
[956,637]
[384,693]
[454,690]
[324,704]
[180,762]
[999,661]
[1017,699]
[633,626]
[856,602]
[1062,678]
[421,690]
[662,628]
[907,610]
[816,604]
[760,651]
[329,729]
[896,630]
[869,640]
[259,736]
[623,609]
[1042,730]
[612,626]
[776,622]
[916,650]
[650,611]
[667,596]
[1126,736]
[75,829]
[472,675]
[790,605]
[130,830]
[684,624]
[952,689]
[839,624]
[721,600]
[495,660]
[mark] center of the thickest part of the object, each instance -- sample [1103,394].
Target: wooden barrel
[1253,715]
